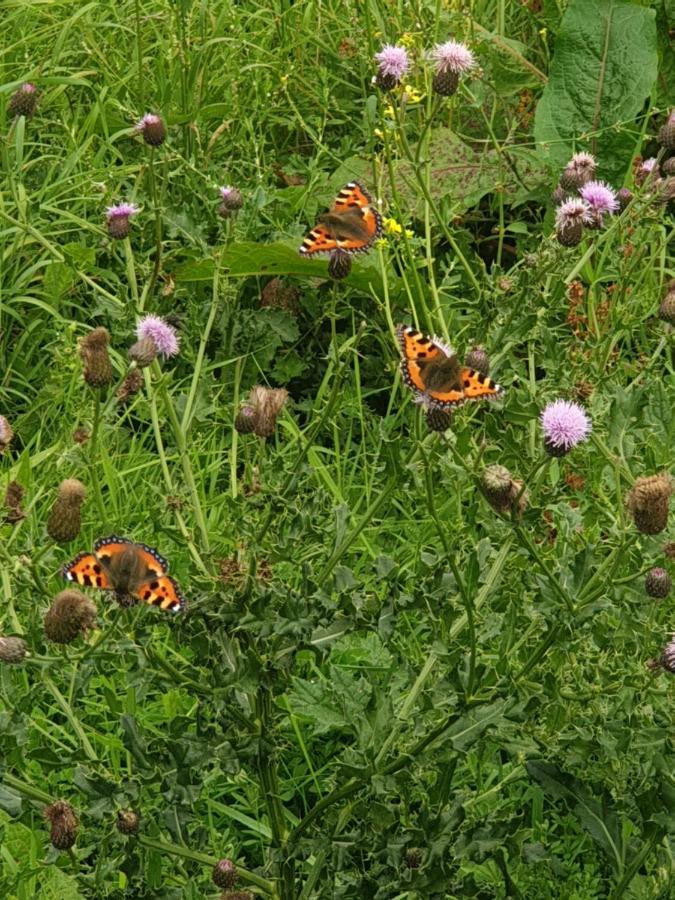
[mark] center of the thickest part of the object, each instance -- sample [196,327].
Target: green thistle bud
[658,583]
[97,367]
[224,874]
[413,857]
[128,821]
[64,522]
[64,824]
[70,615]
[12,650]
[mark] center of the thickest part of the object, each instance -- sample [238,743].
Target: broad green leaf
[603,71]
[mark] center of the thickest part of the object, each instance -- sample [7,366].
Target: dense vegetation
[424,651]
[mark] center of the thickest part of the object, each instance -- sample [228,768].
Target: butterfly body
[133,572]
[434,373]
[352,224]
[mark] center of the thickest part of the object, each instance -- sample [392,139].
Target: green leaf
[602,73]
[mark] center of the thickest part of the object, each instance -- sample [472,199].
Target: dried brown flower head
[64,824]
[14,495]
[503,492]
[131,385]
[70,615]
[64,520]
[648,502]
[97,367]
[128,821]
[81,435]
[261,410]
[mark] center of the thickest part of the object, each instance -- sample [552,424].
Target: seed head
[24,101]
[143,352]
[117,219]
[667,133]
[70,616]
[478,359]
[12,650]
[97,367]
[14,494]
[64,521]
[64,824]
[564,425]
[648,501]
[392,65]
[6,434]
[225,874]
[164,335]
[128,821]
[339,264]
[266,404]
[131,385]
[578,171]
[658,583]
[152,128]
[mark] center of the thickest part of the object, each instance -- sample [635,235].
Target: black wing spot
[154,585]
[147,595]
[467,383]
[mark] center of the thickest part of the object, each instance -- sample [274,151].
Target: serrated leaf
[603,70]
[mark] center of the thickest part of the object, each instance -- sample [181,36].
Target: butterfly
[352,224]
[434,373]
[131,571]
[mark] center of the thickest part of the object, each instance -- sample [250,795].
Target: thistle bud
[143,352]
[339,264]
[658,583]
[668,167]
[445,83]
[70,615]
[570,236]
[246,420]
[478,359]
[669,549]
[623,197]
[14,495]
[24,101]
[578,172]
[648,502]
[667,308]
[224,874]
[231,201]
[64,520]
[118,219]
[97,368]
[413,857]
[152,128]
[128,821]
[12,650]
[6,434]
[559,195]
[131,385]
[667,133]
[64,824]
[438,419]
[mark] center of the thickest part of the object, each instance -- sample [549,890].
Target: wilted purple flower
[565,425]
[600,197]
[579,170]
[153,129]
[163,334]
[453,57]
[572,213]
[582,162]
[393,63]
[231,201]
[649,165]
[118,217]
[24,101]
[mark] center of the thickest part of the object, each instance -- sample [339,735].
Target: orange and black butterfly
[434,373]
[352,224]
[133,572]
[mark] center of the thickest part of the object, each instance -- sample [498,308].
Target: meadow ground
[423,650]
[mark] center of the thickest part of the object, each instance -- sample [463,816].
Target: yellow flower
[409,233]
[414,96]
[389,111]
[378,132]
[543,32]
[381,243]
[407,39]
[391,226]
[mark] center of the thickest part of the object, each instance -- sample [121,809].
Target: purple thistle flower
[148,119]
[571,213]
[393,62]
[28,88]
[153,129]
[600,197]
[564,425]
[159,331]
[649,165]
[118,217]
[453,57]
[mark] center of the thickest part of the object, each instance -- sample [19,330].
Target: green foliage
[382,686]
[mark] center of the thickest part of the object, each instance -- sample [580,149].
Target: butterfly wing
[352,197]
[477,386]
[417,351]
[163,592]
[87,571]
[107,548]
